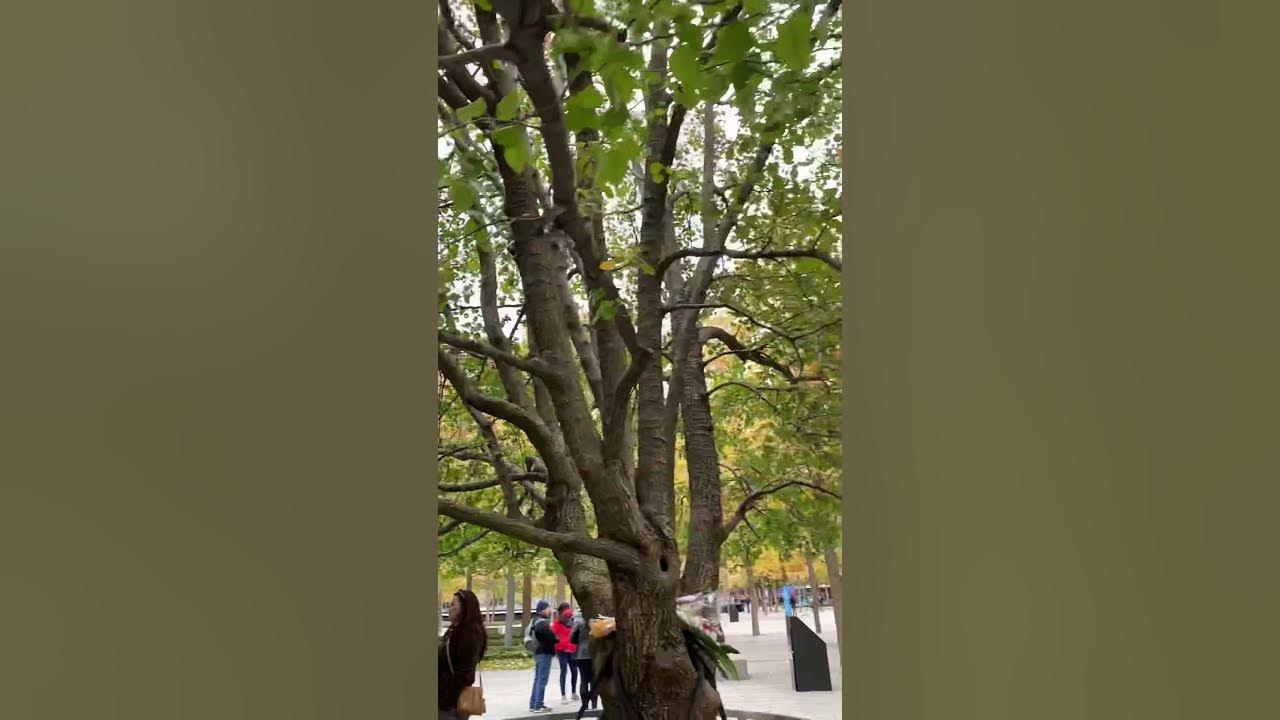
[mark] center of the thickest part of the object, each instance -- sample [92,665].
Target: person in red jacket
[565,651]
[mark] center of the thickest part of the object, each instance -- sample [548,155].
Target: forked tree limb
[750,501]
[748,255]
[617,554]
[724,336]
[465,544]
[450,92]
[485,53]
[529,477]
[533,366]
[531,424]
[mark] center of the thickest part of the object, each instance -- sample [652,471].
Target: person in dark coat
[461,649]
[581,639]
[544,651]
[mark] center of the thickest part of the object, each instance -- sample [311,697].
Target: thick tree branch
[511,380]
[731,342]
[460,452]
[752,389]
[526,41]
[486,53]
[533,494]
[748,255]
[755,497]
[451,24]
[493,482]
[615,553]
[530,365]
[458,73]
[531,424]
[561,21]
[450,92]
[464,544]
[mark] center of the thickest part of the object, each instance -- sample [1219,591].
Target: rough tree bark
[526,602]
[813,592]
[833,574]
[508,622]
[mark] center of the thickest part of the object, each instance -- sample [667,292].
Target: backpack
[530,642]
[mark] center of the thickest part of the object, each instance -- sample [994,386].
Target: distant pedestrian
[461,649]
[565,649]
[581,638]
[541,640]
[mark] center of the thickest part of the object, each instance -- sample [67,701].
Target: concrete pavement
[768,689]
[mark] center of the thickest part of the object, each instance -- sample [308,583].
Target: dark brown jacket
[465,647]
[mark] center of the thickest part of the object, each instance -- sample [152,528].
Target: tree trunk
[813,592]
[507,636]
[526,612]
[469,581]
[706,517]
[651,658]
[753,596]
[706,525]
[833,576]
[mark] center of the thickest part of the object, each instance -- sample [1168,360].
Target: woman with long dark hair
[461,649]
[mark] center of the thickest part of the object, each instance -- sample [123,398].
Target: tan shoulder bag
[471,701]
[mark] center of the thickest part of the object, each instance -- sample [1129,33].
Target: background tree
[584,242]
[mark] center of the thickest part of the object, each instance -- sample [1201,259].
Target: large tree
[594,250]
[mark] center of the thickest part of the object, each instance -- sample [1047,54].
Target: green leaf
[463,195]
[580,118]
[755,7]
[809,265]
[508,106]
[684,65]
[511,139]
[467,113]
[484,4]
[792,47]
[614,122]
[589,97]
[733,42]
[580,110]
[658,171]
[606,310]
[613,164]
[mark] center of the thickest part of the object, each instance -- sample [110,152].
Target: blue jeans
[541,674]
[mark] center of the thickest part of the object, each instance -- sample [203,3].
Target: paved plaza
[767,690]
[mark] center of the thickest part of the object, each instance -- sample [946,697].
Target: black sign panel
[809,669]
